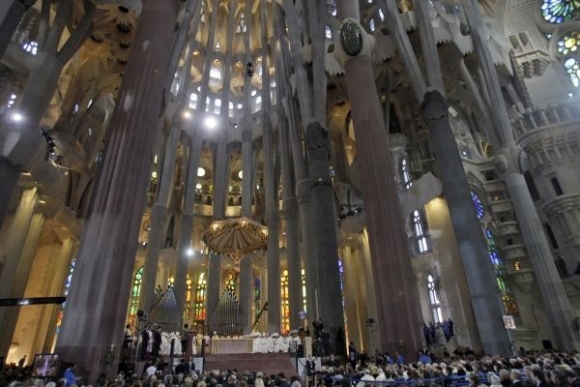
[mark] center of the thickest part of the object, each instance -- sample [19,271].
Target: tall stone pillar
[158,220]
[9,316]
[272,216]
[96,309]
[395,287]
[307,223]
[246,275]
[246,292]
[484,293]
[8,176]
[330,297]
[290,203]
[214,279]
[14,243]
[511,164]
[185,234]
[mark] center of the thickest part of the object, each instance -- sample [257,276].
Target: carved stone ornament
[351,38]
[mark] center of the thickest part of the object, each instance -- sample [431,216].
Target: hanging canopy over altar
[235,237]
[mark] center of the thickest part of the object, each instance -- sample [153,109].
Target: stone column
[97,306]
[14,243]
[330,297]
[214,279]
[8,176]
[158,220]
[185,234]
[272,216]
[246,285]
[11,11]
[296,147]
[395,287]
[9,316]
[484,293]
[511,164]
[290,216]
[246,293]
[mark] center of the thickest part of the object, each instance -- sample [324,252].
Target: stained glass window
[569,43]
[304,297]
[285,299]
[509,303]
[135,293]
[406,174]
[434,299]
[478,205]
[573,69]
[419,231]
[231,282]
[67,282]
[188,294]
[199,305]
[257,296]
[560,11]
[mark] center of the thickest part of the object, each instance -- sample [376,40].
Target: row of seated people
[534,370]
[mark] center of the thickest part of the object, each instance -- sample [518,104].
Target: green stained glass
[569,43]
[560,11]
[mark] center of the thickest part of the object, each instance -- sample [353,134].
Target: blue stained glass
[478,205]
[560,11]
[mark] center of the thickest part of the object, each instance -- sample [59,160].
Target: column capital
[352,41]
[434,106]
[509,160]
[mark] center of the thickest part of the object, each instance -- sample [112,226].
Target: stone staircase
[267,363]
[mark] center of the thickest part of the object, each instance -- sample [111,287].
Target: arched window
[285,300]
[200,293]
[509,304]
[420,232]
[551,236]
[406,174]
[67,283]
[257,297]
[556,186]
[479,210]
[215,75]
[434,299]
[135,293]
[304,296]
[532,186]
[188,294]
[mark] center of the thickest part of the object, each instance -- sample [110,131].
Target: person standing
[69,375]
[352,354]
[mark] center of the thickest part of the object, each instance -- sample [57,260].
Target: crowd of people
[532,370]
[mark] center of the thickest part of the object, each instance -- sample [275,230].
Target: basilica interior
[261,165]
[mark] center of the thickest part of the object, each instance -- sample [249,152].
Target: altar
[231,345]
